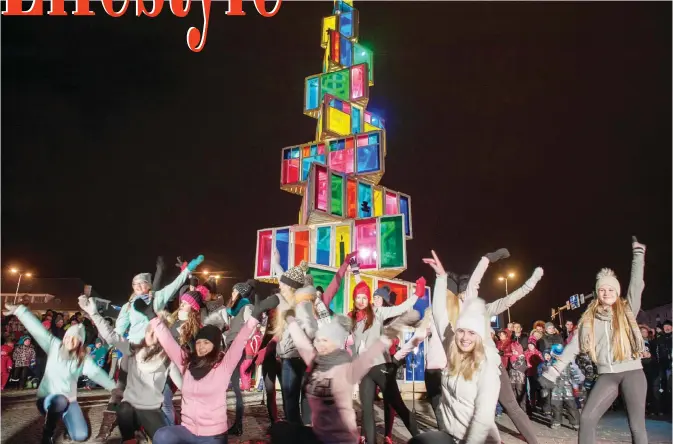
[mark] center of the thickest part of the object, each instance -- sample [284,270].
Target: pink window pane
[363,140]
[321,194]
[264,253]
[290,171]
[342,161]
[346,107]
[321,148]
[365,243]
[357,82]
[368,117]
[391,203]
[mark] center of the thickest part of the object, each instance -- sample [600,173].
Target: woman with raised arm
[204,407]
[66,362]
[367,329]
[446,306]
[147,370]
[609,334]
[470,384]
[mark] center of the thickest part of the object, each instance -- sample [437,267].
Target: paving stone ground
[22,424]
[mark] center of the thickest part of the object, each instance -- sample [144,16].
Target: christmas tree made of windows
[344,207]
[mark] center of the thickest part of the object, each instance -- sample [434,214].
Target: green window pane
[363,55]
[323,278]
[337,195]
[392,238]
[336,84]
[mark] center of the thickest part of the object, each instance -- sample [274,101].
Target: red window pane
[352,199]
[301,245]
[357,82]
[290,171]
[391,203]
[264,253]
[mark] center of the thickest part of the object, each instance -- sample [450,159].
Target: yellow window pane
[343,244]
[328,23]
[378,202]
[369,127]
[368,280]
[338,122]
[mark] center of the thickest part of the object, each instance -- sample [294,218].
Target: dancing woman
[66,362]
[445,310]
[147,370]
[609,334]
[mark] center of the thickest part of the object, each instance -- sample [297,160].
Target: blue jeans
[180,435]
[498,409]
[167,406]
[57,406]
[292,372]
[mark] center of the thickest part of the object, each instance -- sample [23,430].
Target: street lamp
[21,274]
[505,279]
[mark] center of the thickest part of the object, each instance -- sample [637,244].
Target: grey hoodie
[304,317]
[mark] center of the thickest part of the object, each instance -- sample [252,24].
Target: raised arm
[123,321]
[43,338]
[397,310]
[334,285]
[303,344]
[636,284]
[233,355]
[162,296]
[361,365]
[488,388]
[439,313]
[88,305]
[567,357]
[168,343]
[502,304]
[98,375]
[411,344]
[472,290]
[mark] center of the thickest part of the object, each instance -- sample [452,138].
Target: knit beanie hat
[384,292]
[532,340]
[203,291]
[98,341]
[607,277]
[336,331]
[548,325]
[472,317]
[211,286]
[243,289]
[77,331]
[362,288]
[142,277]
[557,349]
[212,334]
[294,277]
[193,298]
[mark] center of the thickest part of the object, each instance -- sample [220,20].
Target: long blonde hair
[621,331]
[452,308]
[465,364]
[279,322]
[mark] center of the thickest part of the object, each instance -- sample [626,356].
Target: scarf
[325,362]
[587,336]
[199,372]
[360,315]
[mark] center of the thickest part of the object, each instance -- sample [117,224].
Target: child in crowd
[564,392]
[6,363]
[24,354]
[517,373]
[533,361]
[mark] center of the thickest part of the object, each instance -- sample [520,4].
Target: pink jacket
[204,405]
[334,421]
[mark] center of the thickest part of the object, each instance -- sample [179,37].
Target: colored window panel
[290,171]
[364,200]
[356,124]
[368,159]
[368,117]
[264,240]
[369,127]
[414,372]
[378,202]
[366,279]
[363,140]
[321,148]
[352,198]
[334,46]
[404,209]
[323,278]
[363,55]
[346,51]
[323,244]
[422,303]
[391,203]
[392,242]
[346,107]
[312,93]
[342,160]
[357,82]
[342,244]
[328,24]
[336,84]
[343,6]
[283,246]
[373,138]
[301,246]
[338,122]
[337,195]
[365,243]
[400,290]
[349,143]
[306,165]
[321,189]
[346,24]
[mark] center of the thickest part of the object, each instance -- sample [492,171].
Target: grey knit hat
[336,331]
[383,292]
[549,324]
[142,277]
[243,289]
[294,277]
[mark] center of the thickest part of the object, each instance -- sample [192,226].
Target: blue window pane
[306,165]
[368,159]
[323,248]
[346,52]
[404,209]
[295,153]
[283,246]
[365,204]
[355,121]
[373,139]
[312,93]
[287,154]
[314,150]
[346,24]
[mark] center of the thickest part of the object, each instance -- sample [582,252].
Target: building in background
[655,316]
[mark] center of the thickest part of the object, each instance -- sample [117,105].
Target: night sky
[543,128]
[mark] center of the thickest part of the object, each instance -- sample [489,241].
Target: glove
[267,304]
[353,263]
[146,309]
[88,305]
[195,263]
[637,247]
[420,287]
[502,253]
[10,309]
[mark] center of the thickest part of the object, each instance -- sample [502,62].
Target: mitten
[146,309]
[638,248]
[195,263]
[354,266]
[420,287]
[502,253]
[88,305]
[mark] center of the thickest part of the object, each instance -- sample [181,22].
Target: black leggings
[511,406]
[433,389]
[633,387]
[236,385]
[434,437]
[291,433]
[270,372]
[383,376]
[131,419]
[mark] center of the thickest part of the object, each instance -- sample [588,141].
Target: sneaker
[555,425]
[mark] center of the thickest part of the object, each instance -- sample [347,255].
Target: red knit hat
[362,288]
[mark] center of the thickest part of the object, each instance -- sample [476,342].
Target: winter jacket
[23,355]
[533,360]
[329,392]
[285,349]
[517,369]
[523,339]
[135,322]
[146,379]
[505,349]
[603,330]
[548,340]
[237,322]
[363,339]
[61,373]
[204,406]
[6,363]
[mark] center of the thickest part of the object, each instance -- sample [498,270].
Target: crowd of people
[181,337]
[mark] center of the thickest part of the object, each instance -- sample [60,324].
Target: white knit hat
[77,331]
[142,277]
[336,331]
[472,317]
[607,277]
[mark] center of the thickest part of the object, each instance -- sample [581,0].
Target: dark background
[544,128]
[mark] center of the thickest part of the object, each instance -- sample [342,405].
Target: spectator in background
[57,327]
[24,354]
[662,383]
[649,367]
[568,331]
[519,336]
[549,338]
[6,361]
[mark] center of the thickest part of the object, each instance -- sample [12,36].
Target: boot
[107,425]
[49,428]
[235,430]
